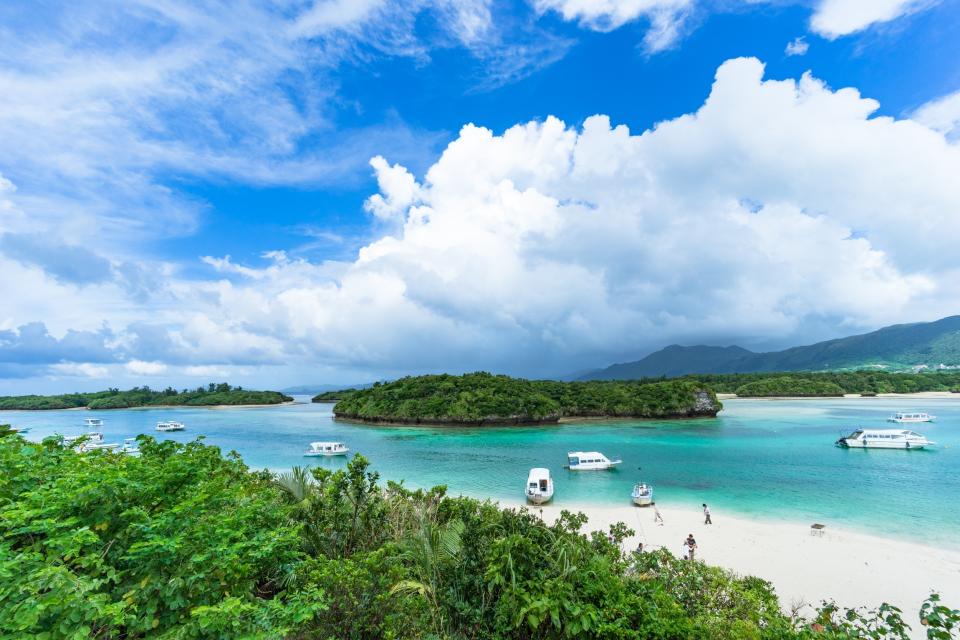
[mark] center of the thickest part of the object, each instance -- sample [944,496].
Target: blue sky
[187,192]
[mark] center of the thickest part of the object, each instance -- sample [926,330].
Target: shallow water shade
[758,458]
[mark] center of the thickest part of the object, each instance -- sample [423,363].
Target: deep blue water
[759,458]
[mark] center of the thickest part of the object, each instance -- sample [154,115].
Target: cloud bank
[777,206]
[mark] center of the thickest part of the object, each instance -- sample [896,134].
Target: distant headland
[212,395]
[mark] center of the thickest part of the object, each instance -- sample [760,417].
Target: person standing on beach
[706,514]
[691,546]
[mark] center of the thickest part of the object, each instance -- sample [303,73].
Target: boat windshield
[573,461]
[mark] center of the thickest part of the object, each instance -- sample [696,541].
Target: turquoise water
[758,458]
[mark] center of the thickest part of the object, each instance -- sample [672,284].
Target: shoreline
[844,565]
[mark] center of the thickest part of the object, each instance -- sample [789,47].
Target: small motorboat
[884,439]
[170,425]
[589,461]
[130,447]
[642,494]
[326,449]
[92,423]
[94,437]
[539,486]
[916,416]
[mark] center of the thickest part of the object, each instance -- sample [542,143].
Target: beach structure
[589,461]
[916,416]
[642,494]
[326,449]
[539,485]
[884,439]
[170,425]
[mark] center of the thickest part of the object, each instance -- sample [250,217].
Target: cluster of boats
[890,438]
[539,488]
[93,439]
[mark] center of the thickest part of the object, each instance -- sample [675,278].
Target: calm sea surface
[759,458]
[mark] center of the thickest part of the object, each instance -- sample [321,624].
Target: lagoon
[771,459]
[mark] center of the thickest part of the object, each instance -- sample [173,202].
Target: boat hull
[856,444]
[643,501]
[595,466]
[325,454]
[539,498]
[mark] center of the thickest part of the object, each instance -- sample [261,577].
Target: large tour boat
[884,439]
[916,416]
[539,485]
[589,461]
[170,425]
[326,449]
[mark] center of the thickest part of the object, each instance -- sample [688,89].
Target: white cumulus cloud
[778,205]
[666,17]
[797,47]
[835,18]
[942,114]
[143,368]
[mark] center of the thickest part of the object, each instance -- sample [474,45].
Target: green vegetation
[334,396]
[184,543]
[483,398]
[789,386]
[828,383]
[211,395]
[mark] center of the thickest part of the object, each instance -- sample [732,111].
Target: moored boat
[642,494]
[326,449]
[130,446]
[884,439]
[539,485]
[94,437]
[170,425]
[589,461]
[914,416]
[92,423]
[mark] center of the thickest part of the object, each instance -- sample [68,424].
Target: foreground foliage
[483,398]
[185,543]
[211,395]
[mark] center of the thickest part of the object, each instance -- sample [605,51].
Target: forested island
[211,395]
[483,398]
[182,542]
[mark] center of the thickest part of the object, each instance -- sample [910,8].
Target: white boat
[589,461]
[884,439]
[93,446]
[326,449]
[916,416]
[642,494]
[539,485]
[170,425]
[93,437]
[92,423]
[130,446]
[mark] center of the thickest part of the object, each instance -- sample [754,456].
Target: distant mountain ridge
[897,347]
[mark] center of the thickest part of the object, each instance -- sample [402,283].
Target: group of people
[690,544]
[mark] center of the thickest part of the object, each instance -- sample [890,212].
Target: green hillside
[901,347]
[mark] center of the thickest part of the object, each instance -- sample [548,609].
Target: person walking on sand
[657,518]
[691,546]
[706,514]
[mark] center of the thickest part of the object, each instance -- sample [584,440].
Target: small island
[209,396]
[486,399]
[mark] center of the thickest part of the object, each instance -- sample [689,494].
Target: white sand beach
[849,567]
